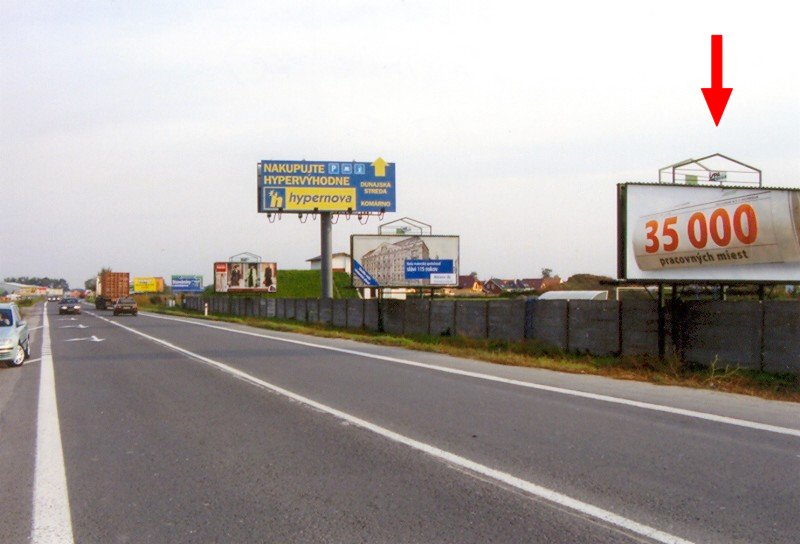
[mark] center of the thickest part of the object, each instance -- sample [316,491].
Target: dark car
[69,306]
[126,305]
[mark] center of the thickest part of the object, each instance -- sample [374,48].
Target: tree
[91,283]
[547,272]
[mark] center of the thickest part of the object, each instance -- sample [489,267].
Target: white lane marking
[35,328]
[531,385]
[52,522]
[92,338]
[446,456]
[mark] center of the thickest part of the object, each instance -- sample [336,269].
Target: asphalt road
[173,430]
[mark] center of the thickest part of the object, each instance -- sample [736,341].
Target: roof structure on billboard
[405,225]
[716,170]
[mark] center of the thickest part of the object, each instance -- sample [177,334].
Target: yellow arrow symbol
[380,167]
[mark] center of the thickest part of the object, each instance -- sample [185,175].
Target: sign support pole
[326,254]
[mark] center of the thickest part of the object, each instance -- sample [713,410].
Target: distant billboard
[404,261]
[711,234]
[187,284]
[148,285]
[245,277]
[326,186]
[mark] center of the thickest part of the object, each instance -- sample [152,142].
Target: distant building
[341,262]
[386,262]
[470,283]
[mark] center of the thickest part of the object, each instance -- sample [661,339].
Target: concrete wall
[725,332]
[507,320]
[372,317]
[471,318]
[594,326]
[549,322]
[443,317]
[639,327]
[355,313]
[416,319]
[326,311]
[749,334]
[393,313]
[340,312]
[782,336]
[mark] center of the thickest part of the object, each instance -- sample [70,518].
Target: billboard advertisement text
[148,285]
[326,186]
[187,284]
[702,233]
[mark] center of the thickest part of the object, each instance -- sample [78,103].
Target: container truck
[110,287]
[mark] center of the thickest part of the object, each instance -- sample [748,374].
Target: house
[495,286]
[540,284]
[470,283]
[341,262]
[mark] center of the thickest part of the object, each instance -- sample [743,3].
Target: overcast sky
[130,131]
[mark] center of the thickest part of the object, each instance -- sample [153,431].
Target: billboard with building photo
[404,261]
[689,233]
[245,277]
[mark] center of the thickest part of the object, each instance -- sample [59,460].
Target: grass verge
[534,354]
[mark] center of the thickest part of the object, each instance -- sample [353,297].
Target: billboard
[712,234]
[148,285]
[244,277]
[404,261]
[187,284]
[326,186]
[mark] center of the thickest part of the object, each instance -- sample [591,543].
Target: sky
[130,131]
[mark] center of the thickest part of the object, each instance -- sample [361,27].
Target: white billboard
[703,233]
[404,261]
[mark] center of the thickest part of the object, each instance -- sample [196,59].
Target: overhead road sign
[326,186]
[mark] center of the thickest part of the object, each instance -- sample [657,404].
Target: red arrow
[717,96]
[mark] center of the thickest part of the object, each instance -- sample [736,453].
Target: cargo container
[110,287]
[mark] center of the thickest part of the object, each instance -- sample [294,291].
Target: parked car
[69,306]
[14,338]
[126,305]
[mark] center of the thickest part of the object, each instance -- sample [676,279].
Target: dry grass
[670,371]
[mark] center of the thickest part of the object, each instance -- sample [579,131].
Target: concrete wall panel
[782,336]
[594,326]
[339,312]
[355,313]
[471,318]
[417,316]
[507,320]
[728,332]
[443,317]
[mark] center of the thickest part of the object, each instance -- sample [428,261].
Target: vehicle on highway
[126,305]
[69,306]
[15,342]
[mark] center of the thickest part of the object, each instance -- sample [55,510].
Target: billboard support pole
[662,325]
[326,254]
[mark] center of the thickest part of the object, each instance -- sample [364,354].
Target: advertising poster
[404,261]
[702,233]
[187,284]
[326,186]
[245,277]
[148,285]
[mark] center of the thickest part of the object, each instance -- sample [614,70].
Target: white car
[15,342]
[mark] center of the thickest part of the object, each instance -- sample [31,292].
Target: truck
[110,287]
